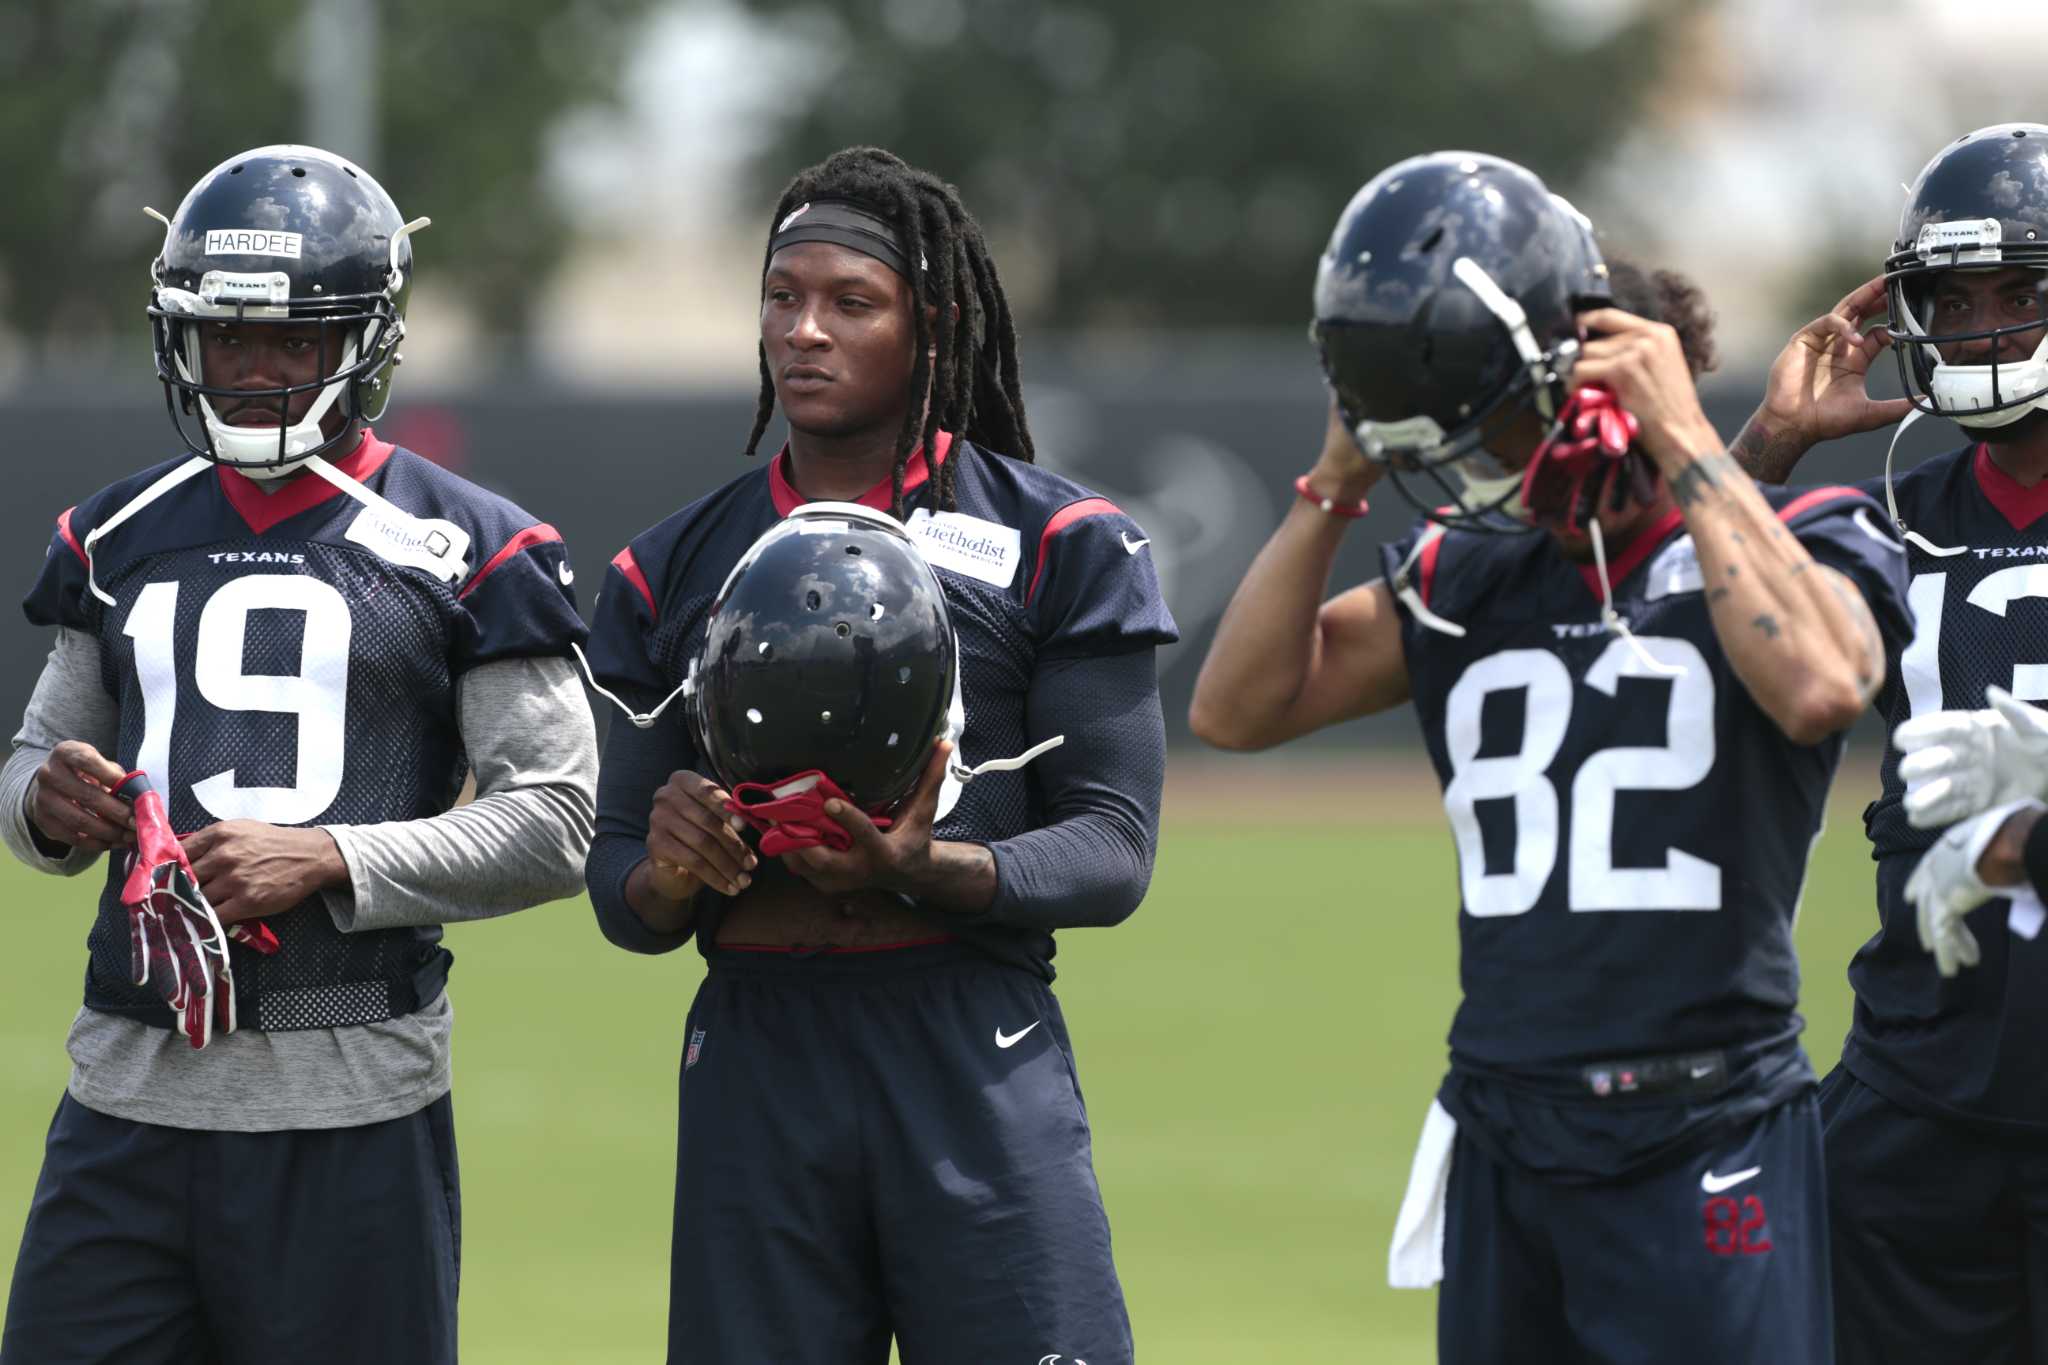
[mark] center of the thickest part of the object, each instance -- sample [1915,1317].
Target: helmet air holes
[853,550]
[812,600]
[1429,243]
[236,171]
[765,650]
[875,610]
[298,172]
[841,629]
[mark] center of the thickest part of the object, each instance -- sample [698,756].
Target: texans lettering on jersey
[1034,567]
[1967,1046]
[291,656]
[1631,846]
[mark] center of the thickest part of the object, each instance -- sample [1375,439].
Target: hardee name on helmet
[1980,204]
[829,648]
[282,235]
[1445,302]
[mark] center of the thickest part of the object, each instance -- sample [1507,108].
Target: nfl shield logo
[1602,1081]
[696,1046]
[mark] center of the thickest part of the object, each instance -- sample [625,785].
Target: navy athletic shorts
[1940,1235]
[168,1246]
[882,1144]
[1718,1258]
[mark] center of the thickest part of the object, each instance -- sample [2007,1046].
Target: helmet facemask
[1999,391]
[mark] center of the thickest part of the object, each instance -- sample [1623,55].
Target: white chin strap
[1891,503]
[1611,618]
[198,464]
[1404,587]
[958,772]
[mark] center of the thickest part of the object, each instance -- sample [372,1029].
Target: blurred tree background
[1155,162]
[108,105]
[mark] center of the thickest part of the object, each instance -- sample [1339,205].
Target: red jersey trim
[1638,550]
[539,534]
[788,499]
[1060,521]
[1815,498]
[1426,566]
[2018,504]
[302,491]
[629,568]
[864,948]
[70,537]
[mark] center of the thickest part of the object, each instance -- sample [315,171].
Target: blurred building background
[1157,178]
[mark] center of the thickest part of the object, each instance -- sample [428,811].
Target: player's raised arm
[1816,391]
[1798,633]
[1284,662]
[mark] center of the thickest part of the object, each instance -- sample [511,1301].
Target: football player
[1935,1115]
[302,638]
[1631,668]
[882,1133]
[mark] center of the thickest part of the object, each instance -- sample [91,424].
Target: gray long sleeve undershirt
[532,746]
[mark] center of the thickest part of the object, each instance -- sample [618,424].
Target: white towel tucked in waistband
[1416,1259]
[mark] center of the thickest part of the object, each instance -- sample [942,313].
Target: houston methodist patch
[252,242]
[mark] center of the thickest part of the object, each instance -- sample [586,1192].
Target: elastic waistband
[845,964]
[1661,1078]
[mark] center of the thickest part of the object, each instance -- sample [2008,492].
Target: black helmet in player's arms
[282,235]
[1446,299]
[1980,204]
[829,647]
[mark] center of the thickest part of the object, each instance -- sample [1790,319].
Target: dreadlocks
[969,368]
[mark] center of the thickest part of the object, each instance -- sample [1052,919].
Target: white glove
[1958,763]
[1945,887]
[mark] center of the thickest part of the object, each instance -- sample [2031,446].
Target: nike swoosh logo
[1714,1184]
[1700,1073]
[1132,547]
[1012,1039]
[565,573]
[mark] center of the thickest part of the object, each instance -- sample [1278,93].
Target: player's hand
[71,800]
[692,842]
[1816,390]
[1342,473]
[1643,365]
[895,859]
[1947,885]
[1958,763]
[248,869]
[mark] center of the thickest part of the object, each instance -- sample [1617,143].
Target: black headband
[846,224]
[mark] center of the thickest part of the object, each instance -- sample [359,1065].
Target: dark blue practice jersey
[1631,847]
[291,657]
[1968,1046]
[1035,568]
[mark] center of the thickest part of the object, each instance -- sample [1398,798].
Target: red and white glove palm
[176,943]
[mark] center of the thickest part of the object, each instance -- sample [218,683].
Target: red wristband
[1330,505]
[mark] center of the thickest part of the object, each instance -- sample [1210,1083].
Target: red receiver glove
[791,813]
[175,940]
[1591,457]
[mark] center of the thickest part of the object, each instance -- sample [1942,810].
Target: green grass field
[1258,1046]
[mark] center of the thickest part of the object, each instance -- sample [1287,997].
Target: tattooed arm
[1816,389]
[1797,633]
